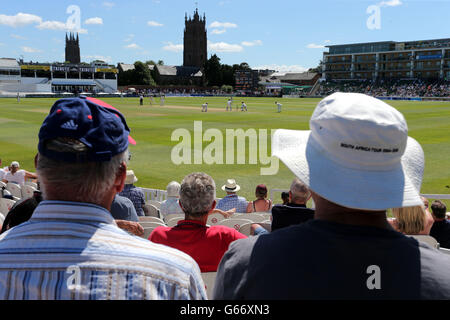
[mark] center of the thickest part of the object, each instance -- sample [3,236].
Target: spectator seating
[150,219]
[15,189]
[6,205]
[427,239]
[214,219]
[209,278]
[245,228]
[170,216]
[27,191]
[31,183]
[155,203]
[152,211]
[235,223]
[147,232]
[444,250]
[174,221]
[152,224]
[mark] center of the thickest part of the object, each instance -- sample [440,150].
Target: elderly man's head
[197,194]
[173,189]
[299,192]
[83,150]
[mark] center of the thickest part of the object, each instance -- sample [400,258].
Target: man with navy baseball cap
[77,248]
[358,161]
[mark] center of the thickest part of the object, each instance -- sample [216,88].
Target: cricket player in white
[243,106]
[278,105]
[205,107]
[229,105]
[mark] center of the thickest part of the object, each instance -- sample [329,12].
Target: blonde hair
[410,220]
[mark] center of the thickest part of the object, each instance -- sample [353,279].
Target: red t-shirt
[206,245]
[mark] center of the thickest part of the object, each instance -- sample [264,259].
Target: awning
[73,82]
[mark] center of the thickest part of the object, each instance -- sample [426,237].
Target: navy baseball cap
[101,127]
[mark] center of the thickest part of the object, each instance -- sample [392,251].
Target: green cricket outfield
[158,130]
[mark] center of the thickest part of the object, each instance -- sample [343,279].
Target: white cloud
[173,47]
[59,26]
[30,50]
[390,3]
[95,20]
[108,4]
[154,24]
[282,68]
[20,19]
[224,47]
[251,43]
[218,31]
[107,59]
[19,37]
[132,46]
[130,37]
[217,24]
[315,46]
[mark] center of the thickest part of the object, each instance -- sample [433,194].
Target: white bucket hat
[231,186]
[131,178]
[357,154]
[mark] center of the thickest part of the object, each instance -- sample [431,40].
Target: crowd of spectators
[334,251]
[400,88]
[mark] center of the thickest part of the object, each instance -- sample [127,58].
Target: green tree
[213,72]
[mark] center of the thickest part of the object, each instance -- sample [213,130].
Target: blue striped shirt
[71,250]
[233,201]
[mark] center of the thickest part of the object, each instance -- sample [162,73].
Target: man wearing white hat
[135,194]
[232,200]
[358,161]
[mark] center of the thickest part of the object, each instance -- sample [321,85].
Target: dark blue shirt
[441,232]
[122,209]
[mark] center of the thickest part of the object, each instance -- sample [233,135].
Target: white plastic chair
[255,217]
[27,191]
[6,205]
[31,183]
[156,203]
[214,219]
[209,278]
[2,184]
[152,211]
[147,232]
[170,216]
[427,239]
[174,221]
[152,224]
[234,223]
[444,250]
[245,229]
[151,219]
[15,189]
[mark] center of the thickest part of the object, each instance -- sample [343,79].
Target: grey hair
[299,191]
[197,194]
[78,182]
[173,189]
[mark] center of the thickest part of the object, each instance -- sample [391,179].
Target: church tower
[195,52]
[72,49]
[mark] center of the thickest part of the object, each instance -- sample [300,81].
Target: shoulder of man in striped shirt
[75,251]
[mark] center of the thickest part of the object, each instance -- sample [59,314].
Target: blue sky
[286,35]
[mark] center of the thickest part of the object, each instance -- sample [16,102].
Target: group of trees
[216,74]
[140,75]
[219,75]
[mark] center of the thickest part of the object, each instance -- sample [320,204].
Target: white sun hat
[131,178]
[231,186]
[357,154]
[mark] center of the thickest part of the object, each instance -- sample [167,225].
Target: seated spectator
[441,226]
[21,212]
[232,200]
[171,205]
[261,204]
[295,212]
[285,197]
[82,163]
[203,243]
[123,209]
[411,220]
[17,175]
[135,194]
[348,251]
